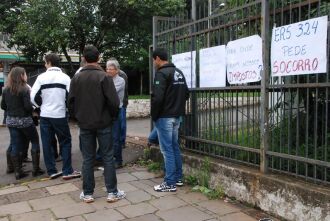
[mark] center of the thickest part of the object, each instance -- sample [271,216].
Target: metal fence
[279,124]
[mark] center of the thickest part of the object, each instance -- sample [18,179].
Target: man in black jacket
[168,102]
[94,102]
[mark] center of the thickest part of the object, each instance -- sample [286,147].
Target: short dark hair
[53,59]
[91,54]
[161,53]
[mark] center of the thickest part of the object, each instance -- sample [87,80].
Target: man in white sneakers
[50,92]
[94,103]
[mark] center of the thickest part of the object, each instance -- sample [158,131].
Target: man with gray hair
[113,71]
[122,117]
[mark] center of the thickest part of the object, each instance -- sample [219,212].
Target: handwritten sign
[212,66]
[244,60]
[300,48]
[186,62]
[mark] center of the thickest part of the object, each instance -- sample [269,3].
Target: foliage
[120,28]
[154,166]
[137,97]
[147,162]
[191,180]
[210,193]
[201,180]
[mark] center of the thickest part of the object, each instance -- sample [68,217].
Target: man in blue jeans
[49,92]
[168,101]
[113,71]
[94,103]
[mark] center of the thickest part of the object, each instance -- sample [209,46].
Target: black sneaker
[163,187]
[179,183]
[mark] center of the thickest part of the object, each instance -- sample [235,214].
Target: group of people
[97,100]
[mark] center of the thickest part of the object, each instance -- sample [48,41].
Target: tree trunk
[68,58]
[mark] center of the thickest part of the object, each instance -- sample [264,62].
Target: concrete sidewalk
[59,200]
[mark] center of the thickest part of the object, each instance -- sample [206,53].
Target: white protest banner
[186,62]
[244,60]
[300,48]
[212,66]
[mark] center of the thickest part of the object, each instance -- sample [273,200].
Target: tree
[120,28]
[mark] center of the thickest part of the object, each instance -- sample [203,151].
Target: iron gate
[278,124]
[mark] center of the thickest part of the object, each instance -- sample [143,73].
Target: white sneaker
[55,175]
[86,198]
[74,174]
[163,187]
[113,197]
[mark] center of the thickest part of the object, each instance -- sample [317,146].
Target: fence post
[264,99]
[151,65]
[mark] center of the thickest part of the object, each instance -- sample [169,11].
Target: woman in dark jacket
[16,102]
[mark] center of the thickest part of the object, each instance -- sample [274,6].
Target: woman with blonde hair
[16,102]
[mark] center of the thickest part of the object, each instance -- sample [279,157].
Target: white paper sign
[212,66]
[300,48]
[186,62]
[244,60]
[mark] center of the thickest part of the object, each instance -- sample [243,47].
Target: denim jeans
[168,133]
[20,138]
[123,126]
[48,128]
[87,139]
[153,136]
[117,145]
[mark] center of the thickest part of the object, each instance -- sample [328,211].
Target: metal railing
[279,124]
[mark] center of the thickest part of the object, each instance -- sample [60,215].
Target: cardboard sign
[244,60]
[300,48]
[186,62]
[212,66]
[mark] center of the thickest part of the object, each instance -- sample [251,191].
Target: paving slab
[143,175]
[104,215]
[192,197]
[139,168]
[149,189]
[125,177]
[69,210]
[51,201]
[123,186]
[45,183]
[78,183]
[149,182]
[125,170]
[75,195]
[15,208]
[27,195]
[237,216]
[76,218]
[138,196]
[42,215]
[219,207]
[126,187]
[158,180]
[168,202]
[183,213]
[148,217]
[140,209]
[13,190]
[62,188]
[140,185]
[101,204]
[3,200]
